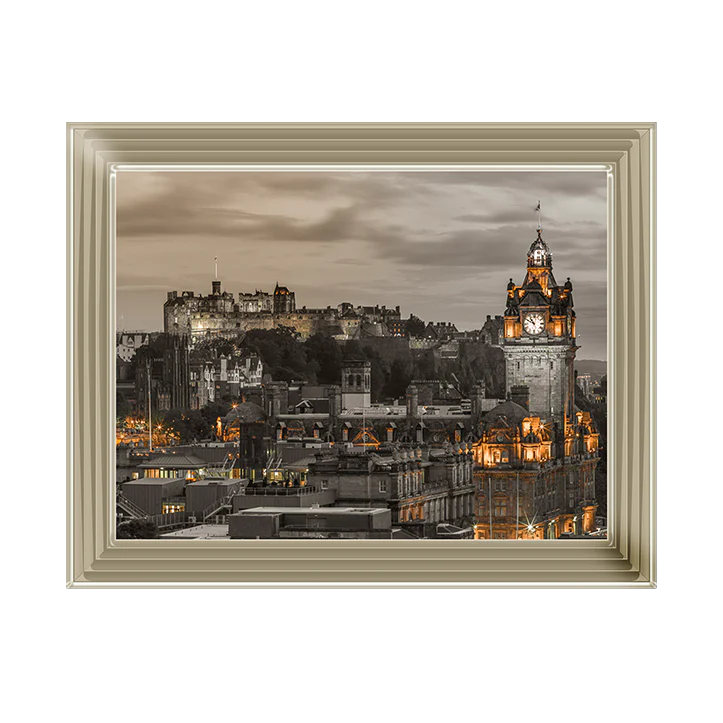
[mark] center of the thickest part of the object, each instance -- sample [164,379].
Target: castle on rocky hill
[222,314]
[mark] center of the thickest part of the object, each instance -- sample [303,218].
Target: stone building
[212,377]
[432,413]
[539,337]
[421,486]
[220,314]
[492,331]
[536,453]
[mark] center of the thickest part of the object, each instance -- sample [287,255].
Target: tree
[282,355]
[189,424]
[415,326]
[325,352]
[400,375]
[137,530]
[122,407]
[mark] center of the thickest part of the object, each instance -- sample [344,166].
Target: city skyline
[441,245]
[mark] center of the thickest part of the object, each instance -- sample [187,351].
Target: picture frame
[95,153]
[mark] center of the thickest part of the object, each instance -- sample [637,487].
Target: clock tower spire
[539,337]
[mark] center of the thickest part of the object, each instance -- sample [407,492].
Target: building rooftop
[210,481]
[326,511]
[173,461]
[148,481]
[246,412]
[199,532]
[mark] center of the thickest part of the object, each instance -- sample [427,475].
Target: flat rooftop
[216,481]
[147,481]
[326,511]
[199,532]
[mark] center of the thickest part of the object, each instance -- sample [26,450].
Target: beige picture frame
[626,151]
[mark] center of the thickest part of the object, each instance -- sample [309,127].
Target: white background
[542,655]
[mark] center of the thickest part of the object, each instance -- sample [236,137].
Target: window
[500,507]
[382,485]
[324,484]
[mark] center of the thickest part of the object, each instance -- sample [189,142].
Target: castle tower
[356,384]
[284,300]
[539,338]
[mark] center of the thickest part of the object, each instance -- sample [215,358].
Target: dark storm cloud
[441,244]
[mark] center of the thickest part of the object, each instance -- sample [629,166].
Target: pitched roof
[507,414]
[246,412]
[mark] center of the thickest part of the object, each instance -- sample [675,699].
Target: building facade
[536,452]
[222,314]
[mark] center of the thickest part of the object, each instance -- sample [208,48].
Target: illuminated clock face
[534,324]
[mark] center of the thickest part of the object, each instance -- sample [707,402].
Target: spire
[215,284]
[539,254]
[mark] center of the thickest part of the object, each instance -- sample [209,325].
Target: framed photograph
[361,355]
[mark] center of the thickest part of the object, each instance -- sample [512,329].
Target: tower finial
[539,216]
[215,268]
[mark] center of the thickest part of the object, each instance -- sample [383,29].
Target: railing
[127,506]
[219,504]
[278,491]
[171,519]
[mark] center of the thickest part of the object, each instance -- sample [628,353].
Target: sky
[441,245]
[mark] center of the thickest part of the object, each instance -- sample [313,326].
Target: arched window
[350,380]
[358,380]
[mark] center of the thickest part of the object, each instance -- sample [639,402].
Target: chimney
[478,395]
[334,402]
[520,394]
[412,401]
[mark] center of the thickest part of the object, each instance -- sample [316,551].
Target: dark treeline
[318,360]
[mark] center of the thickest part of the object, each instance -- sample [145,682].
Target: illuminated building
[221,314]
[284,300]
[536,453]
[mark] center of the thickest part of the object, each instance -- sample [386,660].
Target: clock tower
[539,338]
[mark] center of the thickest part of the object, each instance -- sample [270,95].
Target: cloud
[441,244]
